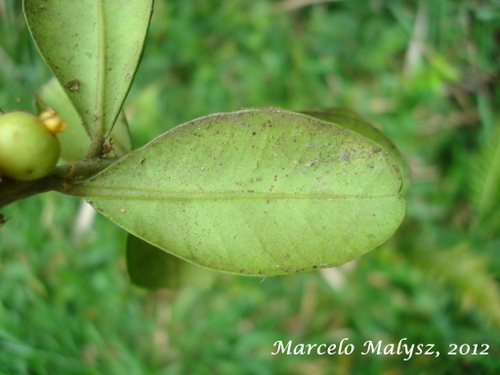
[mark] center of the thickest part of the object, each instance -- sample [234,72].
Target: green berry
[28,151]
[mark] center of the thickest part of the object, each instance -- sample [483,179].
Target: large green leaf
[255,192]
[74,141]
[93,47]
[352,121]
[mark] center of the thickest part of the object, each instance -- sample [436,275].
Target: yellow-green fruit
[27,149]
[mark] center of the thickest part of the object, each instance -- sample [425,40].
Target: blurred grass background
[426,71]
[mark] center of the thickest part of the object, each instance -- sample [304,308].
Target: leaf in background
[152,268]
[484,184]
[352,121]
[255,192]
[93,47]
[74,140]
[470,274]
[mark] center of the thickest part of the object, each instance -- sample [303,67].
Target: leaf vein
[150,194]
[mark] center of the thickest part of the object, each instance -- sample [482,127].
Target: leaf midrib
[141,194]
[101,67]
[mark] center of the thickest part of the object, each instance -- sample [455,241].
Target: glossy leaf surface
[93,47]
[255,192]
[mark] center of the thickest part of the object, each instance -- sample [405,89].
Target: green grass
[425,71]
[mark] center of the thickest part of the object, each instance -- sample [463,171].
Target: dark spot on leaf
[345,155]
[73,85]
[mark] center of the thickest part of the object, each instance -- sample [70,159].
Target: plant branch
[95,150]
[62,179]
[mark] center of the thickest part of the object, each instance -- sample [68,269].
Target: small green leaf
[255,192]
[74,141]
[93,47]
[352,121]
[152,268]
